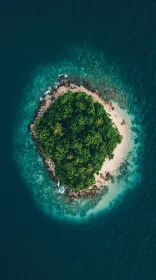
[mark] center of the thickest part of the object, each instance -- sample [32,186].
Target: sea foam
[102,74]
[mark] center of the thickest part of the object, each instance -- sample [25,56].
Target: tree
[58,129]
[77,134]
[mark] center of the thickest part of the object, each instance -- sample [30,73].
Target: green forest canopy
[77,134]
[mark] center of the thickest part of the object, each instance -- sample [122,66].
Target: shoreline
[109,167]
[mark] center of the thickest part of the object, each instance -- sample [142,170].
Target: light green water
[93,66]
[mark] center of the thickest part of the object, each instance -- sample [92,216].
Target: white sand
[117,115]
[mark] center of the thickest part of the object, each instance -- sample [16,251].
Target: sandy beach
[119,120]
[117,116]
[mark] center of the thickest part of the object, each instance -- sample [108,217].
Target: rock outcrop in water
[51,95]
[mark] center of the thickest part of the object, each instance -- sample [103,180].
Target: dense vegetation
[77,134]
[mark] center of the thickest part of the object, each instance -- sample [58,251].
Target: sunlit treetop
[77,134]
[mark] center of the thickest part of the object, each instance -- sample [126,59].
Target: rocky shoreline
[46,100]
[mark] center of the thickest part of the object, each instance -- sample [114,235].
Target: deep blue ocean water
[120,243]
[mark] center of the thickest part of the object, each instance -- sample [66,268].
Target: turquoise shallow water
[92,65]
[116,38]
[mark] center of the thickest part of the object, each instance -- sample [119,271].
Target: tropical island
[80,137]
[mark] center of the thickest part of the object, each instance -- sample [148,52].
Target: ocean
[112,43]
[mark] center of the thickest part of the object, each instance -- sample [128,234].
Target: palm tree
[99,122]
[70,156]
[90,168]
[58,129]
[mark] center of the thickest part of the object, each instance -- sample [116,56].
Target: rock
[123,122]
[97,91]
[102,176]
[107,176]
[95,187]
[70,194]
[106,187]
[83,193]
[87,191]
[93,192]
[85,83]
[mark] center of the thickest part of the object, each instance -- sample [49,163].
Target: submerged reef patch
[83,67]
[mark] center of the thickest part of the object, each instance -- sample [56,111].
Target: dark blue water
[120,244]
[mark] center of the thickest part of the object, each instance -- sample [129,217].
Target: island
[81,137]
